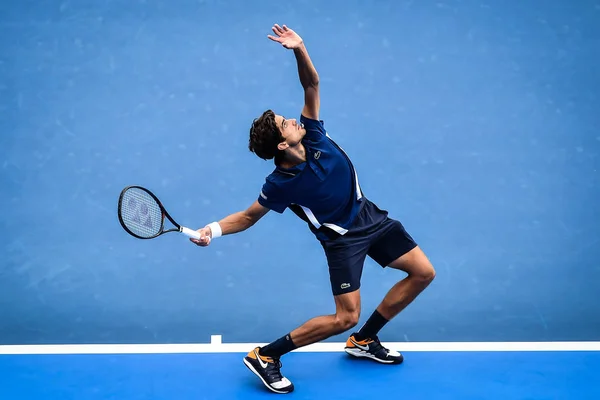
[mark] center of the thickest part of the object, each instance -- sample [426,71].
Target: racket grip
[190,233]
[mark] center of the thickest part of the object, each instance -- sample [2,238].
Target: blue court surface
[473,122]
[316,375]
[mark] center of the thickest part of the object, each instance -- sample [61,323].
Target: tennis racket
[142,215]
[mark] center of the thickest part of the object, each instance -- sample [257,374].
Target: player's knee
[347,320]
[426,274]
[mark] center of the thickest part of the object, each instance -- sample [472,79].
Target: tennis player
[315,179]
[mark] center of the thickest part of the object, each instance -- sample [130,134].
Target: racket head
[141,213]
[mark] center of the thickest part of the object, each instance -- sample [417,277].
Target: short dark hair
[265,136]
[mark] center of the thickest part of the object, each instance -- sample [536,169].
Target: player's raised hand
[287,37]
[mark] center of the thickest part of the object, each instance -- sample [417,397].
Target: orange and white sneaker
[372,348]
[268,370]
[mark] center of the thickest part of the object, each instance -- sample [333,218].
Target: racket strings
[141,213]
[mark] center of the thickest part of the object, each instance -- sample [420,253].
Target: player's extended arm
[233,223]
[309,78]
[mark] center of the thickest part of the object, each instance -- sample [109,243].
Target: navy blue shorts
[373,234]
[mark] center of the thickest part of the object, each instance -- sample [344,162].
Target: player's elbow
[250,219]
[251,215]
[311,83]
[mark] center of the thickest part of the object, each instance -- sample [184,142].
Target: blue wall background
[473,122]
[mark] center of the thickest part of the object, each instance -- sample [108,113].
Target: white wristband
[215,229]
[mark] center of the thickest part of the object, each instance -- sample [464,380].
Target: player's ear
[282,146]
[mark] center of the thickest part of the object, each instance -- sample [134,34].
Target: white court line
[217,346]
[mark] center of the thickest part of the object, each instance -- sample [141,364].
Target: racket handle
[190,233]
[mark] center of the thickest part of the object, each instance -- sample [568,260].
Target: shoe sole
[251,368]
[363,354]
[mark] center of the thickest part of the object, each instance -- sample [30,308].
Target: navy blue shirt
[323,190]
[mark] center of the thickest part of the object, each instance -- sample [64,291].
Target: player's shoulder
[276,185]
[277,177]
[273,177]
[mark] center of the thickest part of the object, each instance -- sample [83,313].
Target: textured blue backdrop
[473,122]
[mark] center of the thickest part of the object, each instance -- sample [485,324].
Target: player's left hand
[287,37]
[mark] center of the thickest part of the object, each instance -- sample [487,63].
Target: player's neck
[293,156]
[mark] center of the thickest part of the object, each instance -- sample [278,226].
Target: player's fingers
[273,38]
[277,29]
[285,28]
[201,242]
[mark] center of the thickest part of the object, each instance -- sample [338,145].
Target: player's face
[291,130]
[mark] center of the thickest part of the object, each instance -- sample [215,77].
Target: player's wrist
[300,46]
[215,230]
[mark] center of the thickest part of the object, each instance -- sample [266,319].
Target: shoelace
[273,370]
[378,346]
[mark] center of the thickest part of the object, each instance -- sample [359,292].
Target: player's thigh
[345,260]
[348,303]
[395,248]
[391,243]
[415,263]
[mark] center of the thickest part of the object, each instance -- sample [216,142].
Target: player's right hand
[205,237]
